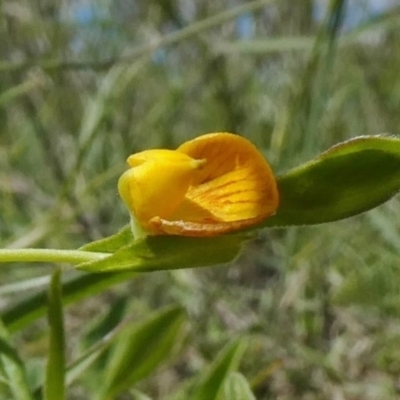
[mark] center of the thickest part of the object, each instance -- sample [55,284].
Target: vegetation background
[86,83]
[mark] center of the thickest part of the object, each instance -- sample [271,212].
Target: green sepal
[155,253]
[111,243]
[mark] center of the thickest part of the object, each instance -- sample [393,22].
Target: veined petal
[234,189]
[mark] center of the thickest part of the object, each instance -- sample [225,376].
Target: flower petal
[234,189]
[157,182]
[186,228]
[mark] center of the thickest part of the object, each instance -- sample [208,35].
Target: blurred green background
[86,83]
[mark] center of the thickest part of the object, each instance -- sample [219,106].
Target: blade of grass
[212,382]
[19,90]
[237,388]
[140,396]
[301,136]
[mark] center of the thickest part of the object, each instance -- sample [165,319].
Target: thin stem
[49,255]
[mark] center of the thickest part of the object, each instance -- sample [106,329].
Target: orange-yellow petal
[235,188]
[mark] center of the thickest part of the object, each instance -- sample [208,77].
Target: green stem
[49,255]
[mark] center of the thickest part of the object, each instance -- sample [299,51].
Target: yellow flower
[214,184]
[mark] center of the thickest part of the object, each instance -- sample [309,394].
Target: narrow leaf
[139,395]
[55,371]
[348,179]
[213,380]
[141,348]
[237,388]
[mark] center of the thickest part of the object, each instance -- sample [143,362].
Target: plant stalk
[49,255]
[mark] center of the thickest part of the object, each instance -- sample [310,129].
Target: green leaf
[139,395]
[156,253]
[211,383]
[141,348]
[348,179]
[54,387]
[237,388]
[12,369]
